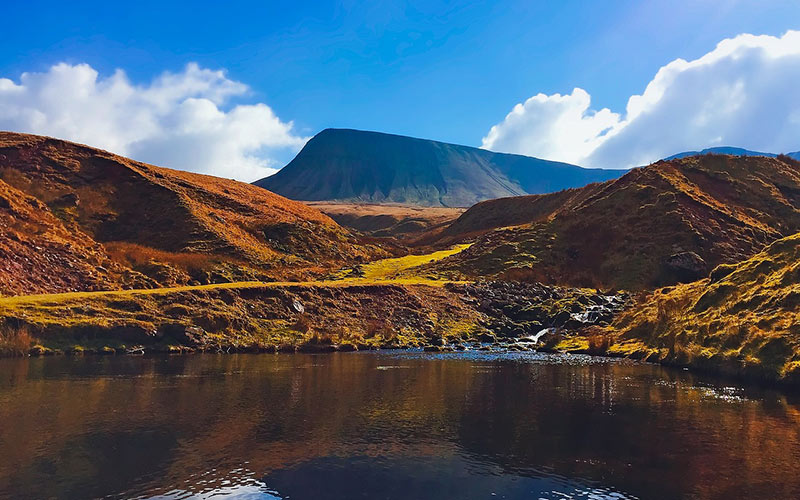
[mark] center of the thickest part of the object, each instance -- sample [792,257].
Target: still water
[392,425]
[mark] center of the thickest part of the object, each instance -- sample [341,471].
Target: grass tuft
[15,341]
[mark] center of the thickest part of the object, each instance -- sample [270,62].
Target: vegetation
[376,308]
[388,221]
[14,341]
[64,233]
[212,264]
[744,320]
[658,225]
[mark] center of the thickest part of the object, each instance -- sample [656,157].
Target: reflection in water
[391,425]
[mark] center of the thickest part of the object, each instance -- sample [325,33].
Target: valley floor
[389,303]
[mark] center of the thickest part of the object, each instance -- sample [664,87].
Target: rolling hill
[669,222]
[353,165]
[77,218]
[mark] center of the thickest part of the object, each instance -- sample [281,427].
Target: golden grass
[621,233]
[743,320]
[14,341]
[135,255]
[384,272]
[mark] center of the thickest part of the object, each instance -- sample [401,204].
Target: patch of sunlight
[385,271]
[393,268]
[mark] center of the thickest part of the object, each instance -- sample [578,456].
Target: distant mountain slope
[86,216]
[352,165]
[728,150]
[668,222]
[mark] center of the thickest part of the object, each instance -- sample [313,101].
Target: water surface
[387,426]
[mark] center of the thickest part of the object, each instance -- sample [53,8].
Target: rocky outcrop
[685,267]
[517,310]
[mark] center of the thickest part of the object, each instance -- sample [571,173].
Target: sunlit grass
[397,271]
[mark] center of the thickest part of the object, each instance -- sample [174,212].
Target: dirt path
[386,271]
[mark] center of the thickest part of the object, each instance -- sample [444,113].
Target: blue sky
[441,70]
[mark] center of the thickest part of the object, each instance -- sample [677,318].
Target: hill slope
[742,320]
[352,165]
[657,225]
[105,212]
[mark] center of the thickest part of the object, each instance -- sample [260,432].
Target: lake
[388,425]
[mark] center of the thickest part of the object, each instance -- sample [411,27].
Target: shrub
[138,256]
[599,341]
[302,323]
[14,341]
[320,338]
[379,328]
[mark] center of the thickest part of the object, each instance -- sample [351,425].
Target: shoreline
[789,386]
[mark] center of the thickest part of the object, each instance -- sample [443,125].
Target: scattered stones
[525,310]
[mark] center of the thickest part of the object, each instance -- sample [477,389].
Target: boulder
[685,267]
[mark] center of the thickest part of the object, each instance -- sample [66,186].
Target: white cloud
[554,127]
[178,120]
[743,93]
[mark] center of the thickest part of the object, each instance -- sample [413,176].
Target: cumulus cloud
[180,120]
[743,93]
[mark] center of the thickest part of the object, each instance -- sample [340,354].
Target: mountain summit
[354,165]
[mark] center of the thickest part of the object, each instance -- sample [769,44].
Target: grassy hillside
[378,305]
[744,319]
[166,227]
[353,165]
[669,222]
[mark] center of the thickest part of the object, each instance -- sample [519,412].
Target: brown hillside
[174,226]
[744,319]
[668,222]
[38,254]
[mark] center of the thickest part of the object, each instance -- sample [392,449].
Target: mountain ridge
[362,166]
[669,222]
[730,150]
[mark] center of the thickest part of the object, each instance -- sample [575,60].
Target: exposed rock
[686,267]
[519,310]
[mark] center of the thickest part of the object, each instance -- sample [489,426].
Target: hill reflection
[387,425]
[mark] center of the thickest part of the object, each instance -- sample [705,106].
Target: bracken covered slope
[744,319]
[354,165]
[669,222]
[37,253]
[168,227]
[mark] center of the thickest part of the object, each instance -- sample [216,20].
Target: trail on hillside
[397,270]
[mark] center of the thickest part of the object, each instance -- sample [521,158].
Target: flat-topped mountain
[77,218]
[353,165]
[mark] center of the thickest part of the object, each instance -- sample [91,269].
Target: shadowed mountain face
[352,165]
